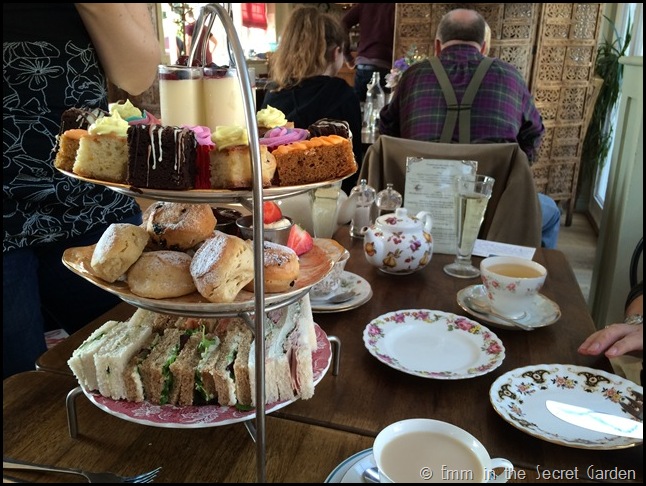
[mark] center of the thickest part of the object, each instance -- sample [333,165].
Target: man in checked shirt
[501,107]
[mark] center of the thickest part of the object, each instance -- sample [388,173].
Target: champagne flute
[471,198]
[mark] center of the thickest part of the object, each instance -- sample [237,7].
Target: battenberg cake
[161,157]
[314,160]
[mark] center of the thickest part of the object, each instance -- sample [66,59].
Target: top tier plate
[202,195]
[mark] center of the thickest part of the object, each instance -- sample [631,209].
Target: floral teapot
[398,243]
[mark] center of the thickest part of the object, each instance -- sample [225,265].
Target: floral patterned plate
[201,416]
[433,344]
[519,397]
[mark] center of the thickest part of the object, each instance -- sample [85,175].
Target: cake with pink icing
[282,136]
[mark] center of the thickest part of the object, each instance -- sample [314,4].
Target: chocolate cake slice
[161,157]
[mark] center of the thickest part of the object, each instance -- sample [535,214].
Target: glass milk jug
[365,196]
[388,200]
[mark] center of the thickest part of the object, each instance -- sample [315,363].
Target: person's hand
[615,340]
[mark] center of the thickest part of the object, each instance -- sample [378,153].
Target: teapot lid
[399,221]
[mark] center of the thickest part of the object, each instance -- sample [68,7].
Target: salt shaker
[364,196]
[388,200]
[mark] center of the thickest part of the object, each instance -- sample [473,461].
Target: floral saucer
[433,344]
[542,311]
[349,282]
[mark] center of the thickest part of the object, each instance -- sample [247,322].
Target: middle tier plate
[314,266]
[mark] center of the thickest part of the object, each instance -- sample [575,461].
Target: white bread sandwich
[186,361]
[290,340]
[100,361]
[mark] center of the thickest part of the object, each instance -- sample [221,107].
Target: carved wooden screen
[513,29]
[554,46]
[562,88]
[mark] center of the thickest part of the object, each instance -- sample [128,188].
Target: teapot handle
[426,218]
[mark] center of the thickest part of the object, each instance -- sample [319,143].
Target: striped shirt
[503,109]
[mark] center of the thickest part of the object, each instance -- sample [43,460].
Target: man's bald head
[461,25]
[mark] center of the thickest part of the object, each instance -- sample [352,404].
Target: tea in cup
[430,451]
[511,283]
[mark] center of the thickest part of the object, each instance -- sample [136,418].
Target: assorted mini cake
[129,145]
[317,159]
[231,160]
[103,152]
[161,157]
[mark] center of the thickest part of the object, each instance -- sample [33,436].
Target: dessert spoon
[484,309]
[336,299]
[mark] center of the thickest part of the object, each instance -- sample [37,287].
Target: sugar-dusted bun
[118,248]
[161,274]
[179,226]
[281,268]
[221,267]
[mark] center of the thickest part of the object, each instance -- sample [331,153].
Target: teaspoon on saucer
[484,309]
[371,475]
[336,299]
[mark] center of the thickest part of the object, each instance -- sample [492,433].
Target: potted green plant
[598,137]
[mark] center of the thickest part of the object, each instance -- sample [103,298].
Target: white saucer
[351,470]
[349,281]
[542,311]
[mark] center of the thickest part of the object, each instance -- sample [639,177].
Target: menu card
[430,186]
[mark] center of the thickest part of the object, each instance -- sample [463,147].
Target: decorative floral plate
[541,312]
[349,281]
[433,344]
[314,266]
[201,416]
[351,470]
[519,397]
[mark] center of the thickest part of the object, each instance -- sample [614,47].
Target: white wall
[623,212]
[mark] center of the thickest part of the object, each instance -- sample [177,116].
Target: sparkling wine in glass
[472,195]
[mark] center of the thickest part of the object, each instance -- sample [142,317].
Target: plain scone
[118,248]
[161,274]
[221,267]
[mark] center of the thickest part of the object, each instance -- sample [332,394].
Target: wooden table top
[35,429]
[367,395]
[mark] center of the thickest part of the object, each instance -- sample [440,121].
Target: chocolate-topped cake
[161,157]
[329,126]
[80,118]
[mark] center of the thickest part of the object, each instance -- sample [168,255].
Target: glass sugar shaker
[364,196]
[388,200]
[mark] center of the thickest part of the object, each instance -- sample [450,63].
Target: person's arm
[124,38]
[619,338]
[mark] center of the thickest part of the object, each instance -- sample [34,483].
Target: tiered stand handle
[206,18]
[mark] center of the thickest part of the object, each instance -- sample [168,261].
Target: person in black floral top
[58,56]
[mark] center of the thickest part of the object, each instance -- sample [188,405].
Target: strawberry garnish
[271,212]
[299,240]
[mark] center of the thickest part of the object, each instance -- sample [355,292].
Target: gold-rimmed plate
[519,397]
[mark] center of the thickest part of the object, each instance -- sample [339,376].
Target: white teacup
[512,283]
[430,451]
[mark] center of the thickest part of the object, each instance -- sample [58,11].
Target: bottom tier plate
[201,416]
